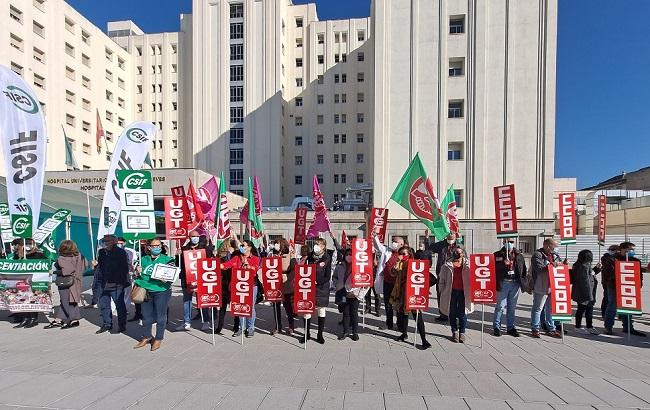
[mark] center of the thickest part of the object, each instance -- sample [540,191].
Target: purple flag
[321,222]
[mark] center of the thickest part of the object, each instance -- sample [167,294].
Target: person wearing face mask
[627,252]
[159,293]
[510,269]
[114,267]
[608,264]
[539,263]
[343,282]
[385,277]
[455,294]
[195,242]
[398,298]
[323,261]
[583,289]
[443,250]
[245,257]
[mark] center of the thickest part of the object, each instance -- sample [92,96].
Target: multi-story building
[156,75]
[77,72]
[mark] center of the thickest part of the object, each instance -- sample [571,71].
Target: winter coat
[445,282]
[518,265]
[73,265]
[398,295]
[288,273]
[539,268]
[323,276]
[443,250]
[584,283]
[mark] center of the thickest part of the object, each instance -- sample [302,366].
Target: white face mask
[276,246]
[317,249]
[394,246]
[28,248]
[451,241]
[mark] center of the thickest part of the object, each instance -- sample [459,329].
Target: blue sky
[603,74]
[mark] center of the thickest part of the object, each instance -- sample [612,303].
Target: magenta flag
[321,222]
[207,197]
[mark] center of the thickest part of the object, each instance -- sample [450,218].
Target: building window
[360,77]
[299,82]
[39,30]
[319,139]
[298,179]
[85,60]
[236,52]
[336,78]
[344,178]
[16,14]
[120,63]
[344,37]
[359,178]
[344,98]
[319,119]
[298,121]
[298,141]
[321,38]
[319,178]
[336,158]
[85,104]
[86,149]
[319,159]
[85,127]
[39,55]
[85,37]
[236,73]
[344,158]
[337,118]
[457,25]
[16,68]
[344,138]
[336,181]
[236,135]
[359,158]
[360,138]
[174,87]
[109,76]
[174,144]
[455,109]
[139,107]
[109,96]
[361,35]
[299,42]
[236,114]
[236,93]
[39,81]
[109,116]
[298,101]
[336,98]
[85,81]
[361,56]
[298,62]
[360,117]
[236,30]
[175,68]
[236,177]
[236,156]
[109,54]
[299,22]
[174,125]
[336,38]
[337,138]
[298,160]
[16,42]
[336,58]
[344,58]
[455,151]
[69,50]
[69,96]
[236,10]
[70,120]
[458,194]
[361,97]
[344,118]
[456,67]
[320,79]
[120,121]
[321,59]
[138,50]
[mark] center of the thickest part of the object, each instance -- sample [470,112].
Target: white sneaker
[205,327]
[581,330]
[183,327]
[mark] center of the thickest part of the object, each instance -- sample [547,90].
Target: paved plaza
[76,369]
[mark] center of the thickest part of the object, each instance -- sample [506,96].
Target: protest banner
[417,285]
[378,222]
[136,202]
[560,284]
[241,292]
[25,284]
[272,278]
[208,288]
[191,259]
[505,210]
[175,219]
[628,287]
[483,276]
[300,227]
[362,267]
[567,216]
[304,289]
[602,219]
[50,224]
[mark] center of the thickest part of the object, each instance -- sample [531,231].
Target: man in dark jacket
[608,263]
[510,268]
[114,265]
[323,261]
[444,250]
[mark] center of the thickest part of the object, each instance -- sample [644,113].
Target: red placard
[361,263]
[628,287]
[567,217]
[300,227]
[482,269]
[175,220]
[191,259]
[304,289]
[378,219]
[602,219]
[505,210]
[560,282]
[208,283]
[417,285]
[178,192]
[241,292]
[272,278]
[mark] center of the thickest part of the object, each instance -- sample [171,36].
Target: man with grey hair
[539,264]
[114,266]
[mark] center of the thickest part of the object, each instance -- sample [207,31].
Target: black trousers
[368,298]
[277,309]
[388,289]
[350,316]
[404,319]
[287,302]
[588,312]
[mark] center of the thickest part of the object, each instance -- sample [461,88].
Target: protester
[583,289]
[245,257]
[71,266]
[385,275]
[26,249]
[114,267]
[195,242]
[132,259]
[540,261]
[96,286]
[398,298]
[281,248]
[455,293]
[154,308]
[510,268]
[301,259]
[608,266]
[323,261]
[444,250]
[343,280]
[224,254]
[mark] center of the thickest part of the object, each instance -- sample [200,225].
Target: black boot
[377,304]
[321,326]
[307,333]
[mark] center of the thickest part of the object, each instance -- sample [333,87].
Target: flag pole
[306,332]
[417,313]
[90,225]
[482,322]
[364,314]
[212,314]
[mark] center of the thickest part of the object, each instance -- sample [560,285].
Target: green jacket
[145,281]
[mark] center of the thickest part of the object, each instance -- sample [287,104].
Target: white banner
[22,131]
[50,224]
[130,152]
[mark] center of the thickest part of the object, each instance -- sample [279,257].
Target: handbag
[138,294]
[63,282]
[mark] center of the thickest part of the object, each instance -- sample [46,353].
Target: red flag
[175,220]
[602,219]
[378,219]
[195,206]
[345,242]
[99,133]
[208,288]
[417,285]
[321,222]
[483,277]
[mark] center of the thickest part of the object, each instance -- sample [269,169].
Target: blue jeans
[117,295]
[248,323]
[541,302]
[457,311]
[506,298]
[187,308]
[610,312]
[154,310]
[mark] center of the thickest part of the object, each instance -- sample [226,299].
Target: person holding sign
[196,242]
[455,293]
[510,269]
[245,257]
[154,308]
[384,279]
[343,280]
[539,263]
[323,261]
[583,290]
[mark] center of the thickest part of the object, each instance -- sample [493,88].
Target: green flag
[49,246]
[256,226]
[70,162]
[221,218]
[450,212]
[415,194]
[147,160]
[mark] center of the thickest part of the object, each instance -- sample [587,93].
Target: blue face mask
[155,251]
[611,252]
[194,240]
[631,253]
[509,246]
[120,245]
[242,250]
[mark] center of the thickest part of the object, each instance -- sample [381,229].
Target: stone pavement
[76,369]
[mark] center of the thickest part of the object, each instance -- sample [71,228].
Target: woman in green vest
[154,308]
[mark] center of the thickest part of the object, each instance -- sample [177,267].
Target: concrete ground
[77,369]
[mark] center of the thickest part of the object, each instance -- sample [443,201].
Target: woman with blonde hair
[70,266]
